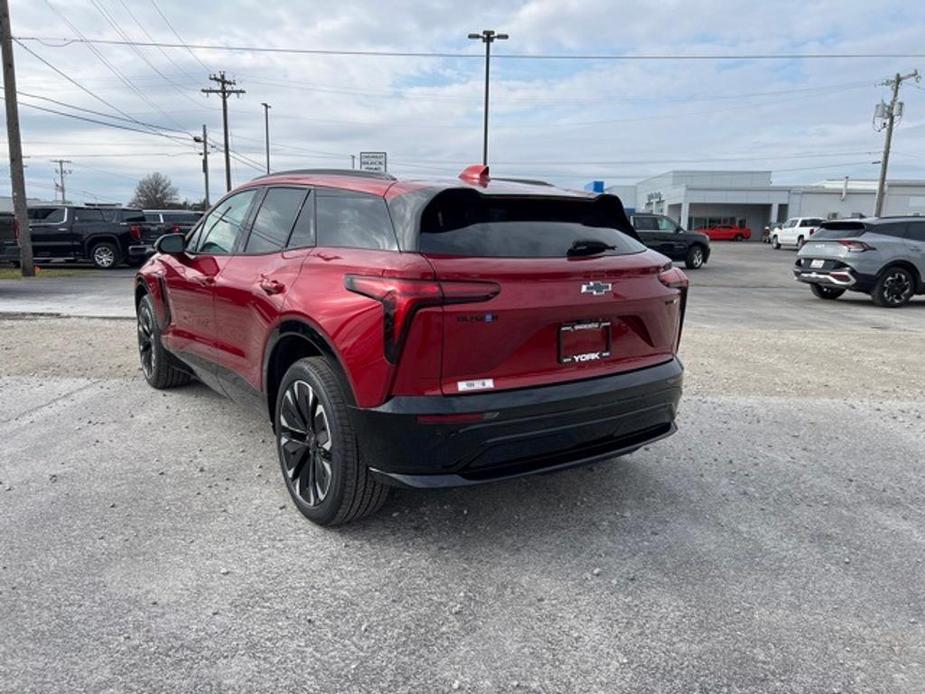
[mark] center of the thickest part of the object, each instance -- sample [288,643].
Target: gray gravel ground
[775,544]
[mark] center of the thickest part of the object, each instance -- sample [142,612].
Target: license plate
[584,342]
[817,263]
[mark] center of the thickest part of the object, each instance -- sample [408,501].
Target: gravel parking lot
[775,544]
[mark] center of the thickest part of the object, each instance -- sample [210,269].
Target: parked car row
[106,235]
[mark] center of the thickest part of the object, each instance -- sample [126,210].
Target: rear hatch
[574,297]
[833,241]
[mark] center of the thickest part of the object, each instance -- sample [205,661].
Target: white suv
[795,231]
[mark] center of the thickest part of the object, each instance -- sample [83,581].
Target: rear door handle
[271,287]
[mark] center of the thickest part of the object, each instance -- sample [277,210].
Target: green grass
[14,273]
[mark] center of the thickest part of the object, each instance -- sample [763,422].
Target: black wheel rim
[146,340]
[897,287]
[305,443]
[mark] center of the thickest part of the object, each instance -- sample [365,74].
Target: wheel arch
[295,339]
[905,265]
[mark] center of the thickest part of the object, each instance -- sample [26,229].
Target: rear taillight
[135,231]
[856,246]
[401,299]
[672,277]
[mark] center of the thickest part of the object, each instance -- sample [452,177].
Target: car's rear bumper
[415,442]
[834,274]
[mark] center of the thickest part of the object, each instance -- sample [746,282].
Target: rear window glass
[466,223]
[839,230]
[46,215]
[181,217]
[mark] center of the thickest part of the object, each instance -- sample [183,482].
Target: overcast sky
[567,121]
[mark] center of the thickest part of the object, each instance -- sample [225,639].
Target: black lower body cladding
[517,432]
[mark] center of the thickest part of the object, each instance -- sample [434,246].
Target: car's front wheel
[695,257]
[800,242]
[824,292]
[775,243]
[894,288]
[160,367]
[318,449]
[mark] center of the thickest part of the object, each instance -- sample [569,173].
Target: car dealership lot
[774,544]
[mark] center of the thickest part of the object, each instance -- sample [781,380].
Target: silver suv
[882,257]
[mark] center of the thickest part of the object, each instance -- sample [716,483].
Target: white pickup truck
[795,231]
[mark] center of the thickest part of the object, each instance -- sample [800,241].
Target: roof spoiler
[477,173]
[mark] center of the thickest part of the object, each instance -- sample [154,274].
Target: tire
[800,242]
[105,255]
[161,369]
[823,292]
[739,237]
[894,288]
[694,259]
[318,450]
[775,243]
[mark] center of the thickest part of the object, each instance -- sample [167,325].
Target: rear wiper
[588,247]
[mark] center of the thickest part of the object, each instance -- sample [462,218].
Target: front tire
[105,255]
[739,237]
[695,258]
[800,242]
[318,449]
[775,243]
[894,288]
[160,368]
[823,292]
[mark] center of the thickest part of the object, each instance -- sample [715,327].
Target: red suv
[419,333]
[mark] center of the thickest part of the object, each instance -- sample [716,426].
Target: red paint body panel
[726,232]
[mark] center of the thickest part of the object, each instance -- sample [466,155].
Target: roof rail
[528,181]
[332,172]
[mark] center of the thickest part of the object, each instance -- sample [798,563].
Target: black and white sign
[374,161]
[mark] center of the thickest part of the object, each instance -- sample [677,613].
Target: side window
[224,225]
[275,219]
[645,223]
[83,214]
[303,233]
[353,220]
[665,224]
[47,215]
[915,231]
[152,217]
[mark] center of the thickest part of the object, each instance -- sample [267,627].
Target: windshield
[465,223]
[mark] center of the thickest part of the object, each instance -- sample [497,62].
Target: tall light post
[266,130]
[488,36]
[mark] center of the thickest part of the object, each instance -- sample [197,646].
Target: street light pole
[266,130]
[488,36]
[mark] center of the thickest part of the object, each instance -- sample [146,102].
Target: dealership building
[749,198]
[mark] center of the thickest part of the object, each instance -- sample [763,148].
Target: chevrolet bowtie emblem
[596,288]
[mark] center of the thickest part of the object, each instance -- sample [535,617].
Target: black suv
[101,234]
[156,224]
[663,234]
[9,239]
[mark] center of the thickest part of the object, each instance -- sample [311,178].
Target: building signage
[374,161]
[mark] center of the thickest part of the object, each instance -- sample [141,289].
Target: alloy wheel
[897,287]
[697,258]
[305,443]
[103,256]
[146,341]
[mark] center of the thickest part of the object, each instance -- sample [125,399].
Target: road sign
[374,161]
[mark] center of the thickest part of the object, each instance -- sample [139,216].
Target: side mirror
[170,244]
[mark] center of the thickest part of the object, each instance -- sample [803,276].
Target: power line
[179,38]
[61,42]
[151,38]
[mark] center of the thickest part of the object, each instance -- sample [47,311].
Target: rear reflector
[401,299]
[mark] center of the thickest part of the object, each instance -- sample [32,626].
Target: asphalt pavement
[774,544]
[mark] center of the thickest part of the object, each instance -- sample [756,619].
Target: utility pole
[224,92]
[205,161]
[890,113]
[266,130]
[353,161]
[15,142]
[488,36]
[62,172]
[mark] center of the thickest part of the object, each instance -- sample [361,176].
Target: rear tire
[739,237]
[695,257]
[318,449]
[775,243]
[105,255]
[160,368]
[800,242]
[894,288]
[823,292]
